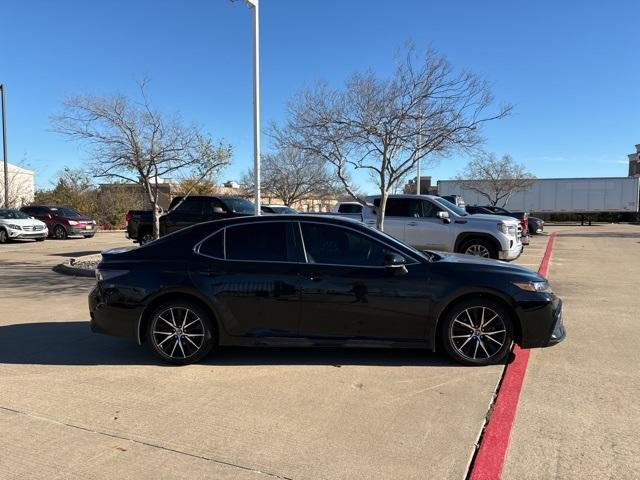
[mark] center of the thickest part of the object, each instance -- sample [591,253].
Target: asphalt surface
[79,405]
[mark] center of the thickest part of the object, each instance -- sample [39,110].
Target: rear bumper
[118,320]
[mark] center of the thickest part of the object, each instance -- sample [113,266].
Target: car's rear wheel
[477,332]
[479,248]
[180,332]
[60,233]
[4,238]
[145,237]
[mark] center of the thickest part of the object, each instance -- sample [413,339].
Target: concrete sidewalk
[579,412]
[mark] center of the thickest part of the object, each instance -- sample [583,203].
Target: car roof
[405,195]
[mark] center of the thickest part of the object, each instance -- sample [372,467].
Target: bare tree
[375,124]
[495,179]
[132,142]
[293,175]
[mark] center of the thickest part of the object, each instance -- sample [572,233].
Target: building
[425,186]
[634,163]
[21,186]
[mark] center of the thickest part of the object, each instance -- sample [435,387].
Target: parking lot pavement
[579,414]
[79,405]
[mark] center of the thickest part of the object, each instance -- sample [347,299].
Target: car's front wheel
[180,332]
[60,233]
[4,238]
[477,331]
[480,248]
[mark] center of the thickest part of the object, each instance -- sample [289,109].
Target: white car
[16,225]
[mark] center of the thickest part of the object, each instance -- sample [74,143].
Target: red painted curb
[489,460]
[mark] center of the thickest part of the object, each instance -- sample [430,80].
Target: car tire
[4,238]
[477,331]
[479,247]
[39,239]
[180,332]
[145,237]
[59,232]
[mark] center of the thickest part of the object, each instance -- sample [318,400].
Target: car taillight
[104,272]
[128,217]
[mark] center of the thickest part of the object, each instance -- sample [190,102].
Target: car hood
[493,218]
[22,221]
[488,263]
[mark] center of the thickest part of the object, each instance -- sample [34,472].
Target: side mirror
[394,263]
[444,216]
[218,210]
[48,216]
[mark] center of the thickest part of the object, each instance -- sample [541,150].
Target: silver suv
[433,223]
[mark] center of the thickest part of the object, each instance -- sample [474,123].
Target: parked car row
[41,221]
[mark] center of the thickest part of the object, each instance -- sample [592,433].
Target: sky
[570,69]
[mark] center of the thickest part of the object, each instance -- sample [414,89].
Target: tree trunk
[156,220]
[381,209]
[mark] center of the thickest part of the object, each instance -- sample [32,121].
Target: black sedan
[316,281]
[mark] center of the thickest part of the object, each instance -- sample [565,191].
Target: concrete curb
[67,268]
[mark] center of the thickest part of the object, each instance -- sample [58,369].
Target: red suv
[62,222]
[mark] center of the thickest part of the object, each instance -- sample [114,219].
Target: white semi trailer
[561,195]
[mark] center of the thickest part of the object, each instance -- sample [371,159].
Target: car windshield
[239,205]
[14,214]
[65,212]
[454,208]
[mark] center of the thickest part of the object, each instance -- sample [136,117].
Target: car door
[346,291]
[425,230]
[250,273]
[189,212]
[397,210]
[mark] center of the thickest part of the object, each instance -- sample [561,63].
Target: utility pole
[418,153]
[253,4]
[4,150]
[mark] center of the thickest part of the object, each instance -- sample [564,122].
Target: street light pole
[418,153]
[256,101]
[4,150]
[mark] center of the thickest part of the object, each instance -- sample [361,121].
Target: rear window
[350,208]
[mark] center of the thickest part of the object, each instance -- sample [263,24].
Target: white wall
[21,186]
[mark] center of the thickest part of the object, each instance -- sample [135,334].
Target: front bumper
[22,234]
[511,254]
[81,231]
[541,321]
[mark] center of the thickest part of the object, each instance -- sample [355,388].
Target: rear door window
[190,205]
[262,241]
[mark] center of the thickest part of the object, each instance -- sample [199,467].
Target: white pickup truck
[432,223]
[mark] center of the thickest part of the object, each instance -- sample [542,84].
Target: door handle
[412,224]
[315,277]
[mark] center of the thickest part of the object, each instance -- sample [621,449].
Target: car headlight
[14,227]
[507,229]
[540,287]
[72,222]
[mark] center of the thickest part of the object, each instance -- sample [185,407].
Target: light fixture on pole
[4,150]
[253,4]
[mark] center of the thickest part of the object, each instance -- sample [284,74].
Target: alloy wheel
[59,232]
[178,333]
[146,238]
[478,250]
[478,333]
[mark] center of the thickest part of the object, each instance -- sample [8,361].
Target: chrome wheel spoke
[475,351]
[494,341]
[166,321]
[493,333]
[184,355]
[174,347]
[191,342]
[490,320]
[470,319]
[465,324]
[184,320]
[483,347]
[190,323]
[461,336]
[170,336]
